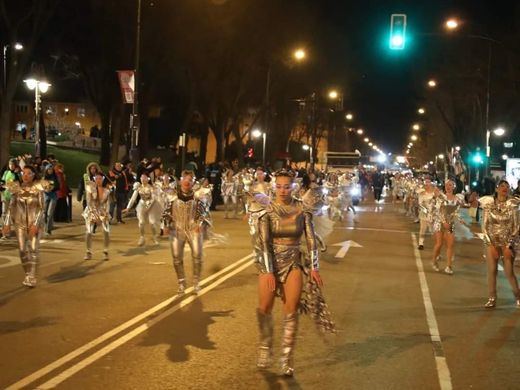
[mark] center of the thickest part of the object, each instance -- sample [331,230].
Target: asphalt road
[119,324]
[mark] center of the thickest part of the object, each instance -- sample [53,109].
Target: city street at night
[119,324]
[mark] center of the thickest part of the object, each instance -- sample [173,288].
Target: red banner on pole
[127,84]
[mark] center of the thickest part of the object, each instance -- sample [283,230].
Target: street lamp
[333,94]
[499,132]
[39,87]
[360,131]
[421,111]
[367,140]
[416,126]
[17,46]
[504,157]
[432,83]
[349,116]
[451,24]
[413,137]
[257,134]
[299,54]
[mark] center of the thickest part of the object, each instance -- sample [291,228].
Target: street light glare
[441,156]
[413,137]
[349,116]
[360,131]
[457,148]
[31,83]
[499,131]
[452,24]
[370,144]
[300,54]
[44,86]
[421,110]
[256,133]
[367,140]
[432,83]
[306,147]
[333,94]
[416,126]
[504,157]
[18,46]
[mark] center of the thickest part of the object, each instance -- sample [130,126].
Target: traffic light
[477,158]
[397,31]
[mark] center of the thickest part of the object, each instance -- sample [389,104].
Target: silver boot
[290,327]
[265,325]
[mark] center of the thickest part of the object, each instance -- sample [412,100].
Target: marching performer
[97,212]
[426,195]
[500,227]
[281,227]
[445,212]
[228,191]
[184,220]
[25,213]
[148,209]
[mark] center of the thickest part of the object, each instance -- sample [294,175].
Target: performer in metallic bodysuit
[446,207]
[500,227]
[425,204]
[228,192]
[184,221]
[281,227]
[25,214]
[148,209]
[97,212]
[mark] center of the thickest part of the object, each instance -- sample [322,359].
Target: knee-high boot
[290,327]
[265,325]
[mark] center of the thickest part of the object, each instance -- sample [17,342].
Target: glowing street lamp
[421,111]
[299,54]
[257,134]
[370,144]
[360,131]
[504,157]
[333,94]
[416,126]
[451,24]
[499,131]
[432,83]
[40,87]
[367,140]
[414,137]
[349,116]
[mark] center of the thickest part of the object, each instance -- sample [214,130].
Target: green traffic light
[397,31]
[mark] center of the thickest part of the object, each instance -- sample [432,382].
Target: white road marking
[371,229]
[11,261]
[345,246]
[443,371]
[106,336]
[52,383]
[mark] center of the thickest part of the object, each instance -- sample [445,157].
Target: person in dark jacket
[51,198]
[119,177]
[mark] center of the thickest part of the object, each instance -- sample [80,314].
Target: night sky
[385,96]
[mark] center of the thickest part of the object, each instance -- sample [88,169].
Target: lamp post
[17,46]
[257,134]
[499,132]
[134,125]
[309,148]
[39,87]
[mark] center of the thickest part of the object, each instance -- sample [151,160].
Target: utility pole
[134,123]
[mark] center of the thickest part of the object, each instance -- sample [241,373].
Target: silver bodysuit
[25,210]
[445,211]
[97,212]
[185,216]
[148,209]
[280,232]
[500,222]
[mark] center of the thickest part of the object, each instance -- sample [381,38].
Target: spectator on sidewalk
[51,198]
[63,209]
[10,174]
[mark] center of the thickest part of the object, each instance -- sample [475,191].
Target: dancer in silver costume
[203,192]
[184,220]
[228,192]
[281,227]
[148,209]
[25,213]
[446,207]
[500,228]
[426,195]
[97,212]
